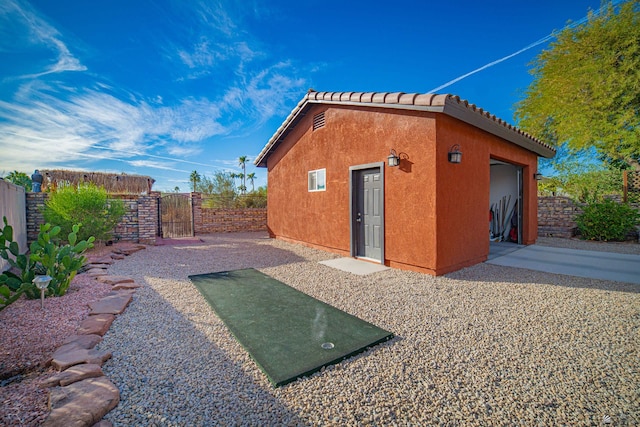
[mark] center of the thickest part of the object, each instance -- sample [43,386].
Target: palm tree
[251,177]
[195,179]
[242,161]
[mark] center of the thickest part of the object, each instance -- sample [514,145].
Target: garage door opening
[505,204]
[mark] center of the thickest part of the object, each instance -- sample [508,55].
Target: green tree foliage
[87,205]
[242,162]
[19,178]
[220,188]
[252,177]
[583,181]
[607,220]
[254,199]
[220,191]
[586,88]
[195,178]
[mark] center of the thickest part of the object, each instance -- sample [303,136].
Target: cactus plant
[47,256]
[61,262]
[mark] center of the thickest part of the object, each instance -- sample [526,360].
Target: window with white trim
[317,180]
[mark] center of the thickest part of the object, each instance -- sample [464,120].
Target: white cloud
[40,34]
[154,165]
[48,129]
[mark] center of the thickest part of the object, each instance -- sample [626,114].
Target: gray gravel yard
[486,345]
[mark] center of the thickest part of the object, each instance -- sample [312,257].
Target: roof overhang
[447,104]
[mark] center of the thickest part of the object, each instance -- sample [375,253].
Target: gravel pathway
[487,345]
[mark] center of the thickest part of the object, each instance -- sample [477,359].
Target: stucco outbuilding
[331,185]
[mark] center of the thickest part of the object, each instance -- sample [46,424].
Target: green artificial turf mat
[288,333]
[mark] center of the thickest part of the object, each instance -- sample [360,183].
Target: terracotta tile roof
[440,103]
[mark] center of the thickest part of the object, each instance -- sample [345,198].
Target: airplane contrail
[532,45]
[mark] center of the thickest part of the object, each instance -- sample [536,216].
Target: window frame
[315,173]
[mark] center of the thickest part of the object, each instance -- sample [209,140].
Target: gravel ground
[28,337]
[487,345]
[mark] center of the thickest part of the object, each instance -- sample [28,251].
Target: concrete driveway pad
[573,262]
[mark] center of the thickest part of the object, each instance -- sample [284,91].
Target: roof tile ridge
[345,96]
[378,97]
[367,97]
[408,98]
[392,97]
[442,98]
[356,96]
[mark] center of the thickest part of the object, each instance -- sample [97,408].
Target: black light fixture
[537,176]
[455,155]
[393,159]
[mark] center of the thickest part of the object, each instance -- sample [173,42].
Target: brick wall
[127,229]
[139,223]
[216,220]
[556,216]
[226,220]
[148,218]
[35,218]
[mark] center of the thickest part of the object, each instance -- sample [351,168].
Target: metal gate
[176,216]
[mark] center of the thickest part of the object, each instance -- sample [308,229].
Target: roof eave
[496,127]
[447,104]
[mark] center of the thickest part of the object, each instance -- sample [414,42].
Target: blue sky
[162,88]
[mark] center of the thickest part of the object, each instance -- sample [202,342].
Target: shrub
[60,262]
[86,205]
[607,220]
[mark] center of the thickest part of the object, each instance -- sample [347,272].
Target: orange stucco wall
[463,192]
[431,225]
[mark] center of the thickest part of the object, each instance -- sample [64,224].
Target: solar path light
[41,283]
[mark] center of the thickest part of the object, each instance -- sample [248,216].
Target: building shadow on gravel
[231,251]
[495,273]
[169,372]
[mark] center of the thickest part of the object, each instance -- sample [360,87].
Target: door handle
[359,218]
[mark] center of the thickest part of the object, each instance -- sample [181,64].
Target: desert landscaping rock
[114,303]
[113,280]
[117,256]
[96,325]
[73,374]
[487,345]
[97,265]
[79,349]
[128,250]
[83,403]
[105,259]
[86,341]
[125,286]
[97,272]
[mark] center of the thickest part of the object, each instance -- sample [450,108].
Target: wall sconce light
[537,176]
[393,159]
[455,155]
